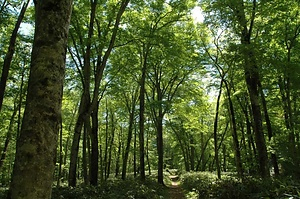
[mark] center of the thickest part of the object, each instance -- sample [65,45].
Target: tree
[10,53]
[89,104]
[239,16]
[36,148]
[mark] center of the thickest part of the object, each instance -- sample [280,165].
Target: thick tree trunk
[36,148]
[252,83]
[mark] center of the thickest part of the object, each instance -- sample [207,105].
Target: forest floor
[175,191]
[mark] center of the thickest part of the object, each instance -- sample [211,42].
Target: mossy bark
[36,147]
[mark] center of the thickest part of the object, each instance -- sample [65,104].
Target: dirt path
[175,191]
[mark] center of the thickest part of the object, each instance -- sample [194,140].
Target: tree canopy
[148,88]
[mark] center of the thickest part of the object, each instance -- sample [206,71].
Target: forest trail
[175,191]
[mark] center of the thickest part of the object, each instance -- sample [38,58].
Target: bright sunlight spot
[197,14]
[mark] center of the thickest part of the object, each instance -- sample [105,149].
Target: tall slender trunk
[193,150]
[134,153]
[159,129]
[85,154]
[9,55]
[236,144]
[83,113]
[141,115]
[76,140]
[106,142]
[60,162]
[119,153]
[111,144]
[8,136]
[129,138]
[147,155]
[269,129]
[94,165]
[216,132]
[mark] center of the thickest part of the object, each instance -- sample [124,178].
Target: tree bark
[36,148]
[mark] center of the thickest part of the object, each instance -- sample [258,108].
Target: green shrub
[120,189]
[206,185]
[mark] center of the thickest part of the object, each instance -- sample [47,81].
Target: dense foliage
[207,185]
[114,188]
[150,86]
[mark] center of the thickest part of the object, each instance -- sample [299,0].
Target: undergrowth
[205,185]
[121,189]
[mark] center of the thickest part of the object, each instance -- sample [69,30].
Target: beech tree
[36,147]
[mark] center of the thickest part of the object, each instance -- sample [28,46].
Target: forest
[149,99]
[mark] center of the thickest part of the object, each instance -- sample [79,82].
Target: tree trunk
[94,167]
[9,55]
[36,148]
[84,155]
[147,155]
[111,144]
[106,141]
[251,73]
[76,140]
[235,139]
[134,153]
[129,137]
[160,150]
[60,163]
[8,137]
[159,128]
[119,153]
[269,128]
[216,132]
[83,113]
[192,158]
[142,117]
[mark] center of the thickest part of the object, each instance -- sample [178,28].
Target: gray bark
[36,148]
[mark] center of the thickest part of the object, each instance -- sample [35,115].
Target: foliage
[113,188]
[206,185]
